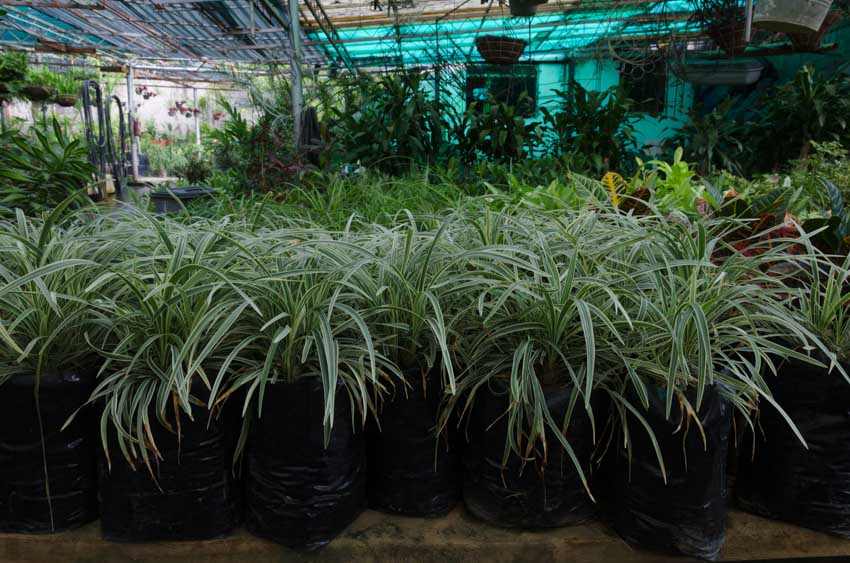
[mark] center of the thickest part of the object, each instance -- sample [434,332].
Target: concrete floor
[458,537]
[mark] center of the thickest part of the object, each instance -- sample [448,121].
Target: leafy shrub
[40,170]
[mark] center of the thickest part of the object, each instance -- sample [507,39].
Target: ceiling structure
[192,39]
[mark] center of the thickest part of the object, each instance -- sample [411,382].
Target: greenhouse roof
[350,33]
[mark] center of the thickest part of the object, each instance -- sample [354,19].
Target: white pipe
[197,116]
[295,67]
[131,117]
[748,33]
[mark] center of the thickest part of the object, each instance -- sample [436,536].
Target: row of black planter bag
[302,492]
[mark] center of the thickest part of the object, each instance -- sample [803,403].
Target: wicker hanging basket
[499,50]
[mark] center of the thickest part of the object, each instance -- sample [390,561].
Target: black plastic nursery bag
[300,493]
[780,478]
[525,495]
[193,493]
[410,470]
[65,466]
[687,515]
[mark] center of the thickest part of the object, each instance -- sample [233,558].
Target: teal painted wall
[598,74]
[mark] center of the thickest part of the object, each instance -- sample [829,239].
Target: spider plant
[706,315]
[46,305]
[548,319]
[299,326]
[171,310]
[823,304]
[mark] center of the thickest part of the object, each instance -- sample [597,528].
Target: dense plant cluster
[41,168]
[597,300]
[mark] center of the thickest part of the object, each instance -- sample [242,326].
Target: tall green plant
[599,125]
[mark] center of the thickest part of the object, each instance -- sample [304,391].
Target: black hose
[99,139]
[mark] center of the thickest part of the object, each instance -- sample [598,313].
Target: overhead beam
[60,5]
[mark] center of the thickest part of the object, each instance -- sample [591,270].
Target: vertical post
[295,64]
[749,29]
[131,119]
[196,115]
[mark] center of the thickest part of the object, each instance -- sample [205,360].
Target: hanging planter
[217,115]
[66,464]
[172,112]
[496,49]
[66,100]
[525,493]
[524,8]
[721,73]
[811,41]
[730,36]
[791,16]
[37,93]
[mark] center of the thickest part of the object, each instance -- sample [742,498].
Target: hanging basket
[37,93]
[499,50]
[524,8]
[66,100]
[791,16]
[811,41]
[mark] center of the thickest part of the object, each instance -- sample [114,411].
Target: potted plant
[47,465]
[165,471]
[724,21]
[39,81]
[67,88]
[306,362]
[538,353]
[524,8]
[412,470]
[13,69]
[811,472]
[687,367]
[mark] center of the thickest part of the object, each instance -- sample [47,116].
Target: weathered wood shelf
[458,537]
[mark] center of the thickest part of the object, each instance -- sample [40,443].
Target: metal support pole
[295,64]
[749,29]
[197,116]
[131,118]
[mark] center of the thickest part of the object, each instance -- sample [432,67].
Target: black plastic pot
[175,199]
[687,514]
[530,495]
[300,493]
[192,494]
[65,464]
[411,471]
[777,476]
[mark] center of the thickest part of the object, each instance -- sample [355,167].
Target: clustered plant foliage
[41,168]
[599,301]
